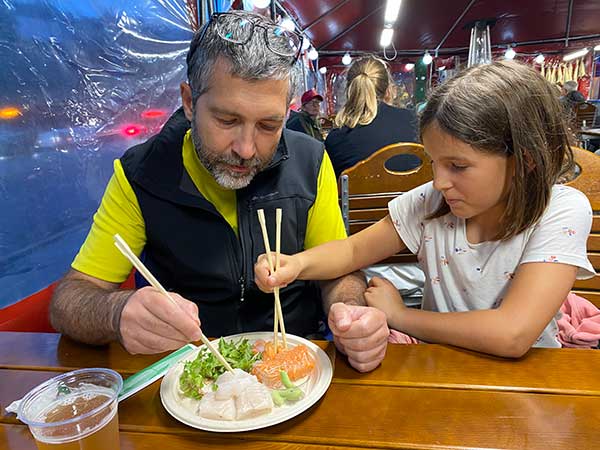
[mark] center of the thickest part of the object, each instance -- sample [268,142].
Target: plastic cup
[74,411]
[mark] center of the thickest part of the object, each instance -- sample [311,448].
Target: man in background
[307,120]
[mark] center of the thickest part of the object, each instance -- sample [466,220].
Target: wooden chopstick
[278,314]
[278,214]
[142,269]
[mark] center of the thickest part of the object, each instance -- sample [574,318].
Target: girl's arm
[333,259]
[535,295]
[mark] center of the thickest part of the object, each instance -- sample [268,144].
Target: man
[186,201]
[306,121]
[571,96]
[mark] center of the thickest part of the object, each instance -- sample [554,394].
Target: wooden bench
[588,182]
[367,187]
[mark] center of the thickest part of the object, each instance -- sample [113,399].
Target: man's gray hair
[252,61]
[570,86]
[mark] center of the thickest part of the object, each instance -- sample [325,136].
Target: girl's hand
[289,269]
[383,295]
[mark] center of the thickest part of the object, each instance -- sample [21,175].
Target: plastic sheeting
[80,82]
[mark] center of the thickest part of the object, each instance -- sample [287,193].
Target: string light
[427,58]
[510,53]
[288,24]
[539,58]
[261,3]
[323,70]
[313,54]
[305,43]
[347,59]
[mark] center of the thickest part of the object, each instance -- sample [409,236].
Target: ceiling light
[347,59]
[510,53]
[442,68]
[386,37]
[323,70]
[288,24]
[261,3]
[313,54]
[427,58]
[539,59]
[409,66]
[577,54]
[391,10]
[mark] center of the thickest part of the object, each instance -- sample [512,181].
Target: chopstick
[141,268]
[278,313]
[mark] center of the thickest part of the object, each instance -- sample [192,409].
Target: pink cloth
[396,337]
[579,325]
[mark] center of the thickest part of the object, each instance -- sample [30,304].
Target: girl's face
[475,184]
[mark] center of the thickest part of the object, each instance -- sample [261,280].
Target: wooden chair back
[367,188]
[588,182]
[584,111]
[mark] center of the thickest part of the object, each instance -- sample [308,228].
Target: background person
[366,123]
[307,119]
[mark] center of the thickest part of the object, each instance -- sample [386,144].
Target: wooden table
[421,397]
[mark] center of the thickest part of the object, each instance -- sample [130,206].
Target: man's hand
[151,323]
[383,295]
[361,333]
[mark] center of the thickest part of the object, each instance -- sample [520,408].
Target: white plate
[183,409]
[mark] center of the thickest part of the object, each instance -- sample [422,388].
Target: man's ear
[186,99]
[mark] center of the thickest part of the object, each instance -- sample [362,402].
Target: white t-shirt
[461,276]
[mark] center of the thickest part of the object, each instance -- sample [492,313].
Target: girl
[501,244]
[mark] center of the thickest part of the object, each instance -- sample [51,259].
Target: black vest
[192,250]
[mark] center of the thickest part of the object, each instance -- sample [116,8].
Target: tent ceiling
[337,26]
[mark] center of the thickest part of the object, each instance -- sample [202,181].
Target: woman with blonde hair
[367,123]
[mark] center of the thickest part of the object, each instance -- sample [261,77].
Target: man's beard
[216,163]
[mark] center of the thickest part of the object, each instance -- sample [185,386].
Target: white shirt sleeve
[409,210]
[561,234]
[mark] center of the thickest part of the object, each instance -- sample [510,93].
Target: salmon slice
[296,361]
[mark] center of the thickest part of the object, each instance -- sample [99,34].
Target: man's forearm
[86,312]
[348,289]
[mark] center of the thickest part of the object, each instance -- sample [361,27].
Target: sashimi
[296,361]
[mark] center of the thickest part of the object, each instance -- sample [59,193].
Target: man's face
[236,125]
[313,107]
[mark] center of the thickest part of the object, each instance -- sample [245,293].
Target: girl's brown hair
[507,108]
[367,82]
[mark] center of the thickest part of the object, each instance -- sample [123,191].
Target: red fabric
[31,313]
[397,337]
[579,325]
